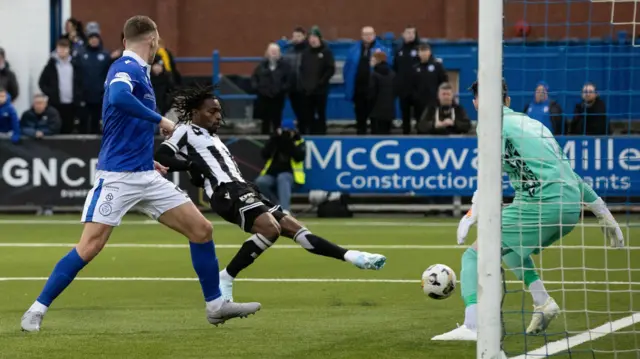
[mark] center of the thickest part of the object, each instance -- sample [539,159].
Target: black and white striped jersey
[206,151]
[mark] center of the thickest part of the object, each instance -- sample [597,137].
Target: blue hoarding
[446,166]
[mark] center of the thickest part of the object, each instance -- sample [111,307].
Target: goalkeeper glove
[608,224]
[467,221]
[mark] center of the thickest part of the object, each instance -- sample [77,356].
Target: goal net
[573,65]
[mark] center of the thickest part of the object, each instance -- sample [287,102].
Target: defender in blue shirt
[127,176]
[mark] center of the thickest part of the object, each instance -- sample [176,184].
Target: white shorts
[115,193]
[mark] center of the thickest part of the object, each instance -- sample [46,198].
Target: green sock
[523,268]
[469,277]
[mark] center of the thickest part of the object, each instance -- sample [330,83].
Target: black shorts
[241,203]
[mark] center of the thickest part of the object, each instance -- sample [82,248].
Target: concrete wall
[26,56]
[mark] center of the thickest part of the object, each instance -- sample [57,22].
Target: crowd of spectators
[376,78]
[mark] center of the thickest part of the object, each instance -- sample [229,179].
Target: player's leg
[469,283]
[292,228]
[174,209]
[520,244]
[106,203]
[265,231]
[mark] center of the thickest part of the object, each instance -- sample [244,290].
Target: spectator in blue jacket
[545,110]
[9,122]
[41,119]
[94,65]
[357,72]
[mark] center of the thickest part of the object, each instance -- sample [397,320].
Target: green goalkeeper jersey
[537,167]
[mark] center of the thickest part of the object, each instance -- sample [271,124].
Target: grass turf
[321,319]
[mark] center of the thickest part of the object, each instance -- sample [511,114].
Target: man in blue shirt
[127,176]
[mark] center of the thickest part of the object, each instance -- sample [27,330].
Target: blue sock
[62,275]
[205,262]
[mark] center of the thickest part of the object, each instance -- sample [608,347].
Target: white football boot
[461,333]
[370,261]
[31,321]
[230,310]
[542,316]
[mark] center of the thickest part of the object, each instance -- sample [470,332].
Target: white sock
[215,304]
[351,256]
[38,307]
[224,275]
[471,317]
[538,292]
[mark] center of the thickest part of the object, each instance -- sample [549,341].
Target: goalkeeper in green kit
[547,206]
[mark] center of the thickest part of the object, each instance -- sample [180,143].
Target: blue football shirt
[127,142]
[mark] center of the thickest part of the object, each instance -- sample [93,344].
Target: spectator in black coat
[381,95]
[94,64]
[316,69]
[61,82]
[294,57]
[271,81]
[162,83]
[41,120]
[8,80]
[428,75]
[446,117]
[590,115]
[405,60]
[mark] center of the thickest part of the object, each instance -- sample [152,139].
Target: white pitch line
[283,246]
[288,280]
[589,335]
[218,223]
[417,223]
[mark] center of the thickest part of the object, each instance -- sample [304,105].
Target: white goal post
[490,31]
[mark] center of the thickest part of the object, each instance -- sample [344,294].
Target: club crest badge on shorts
[105,209]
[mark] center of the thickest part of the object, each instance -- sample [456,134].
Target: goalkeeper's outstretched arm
[598,207]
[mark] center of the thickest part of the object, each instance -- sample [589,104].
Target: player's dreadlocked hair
[188,99]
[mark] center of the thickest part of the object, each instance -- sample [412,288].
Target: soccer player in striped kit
[127,175]
[212,167]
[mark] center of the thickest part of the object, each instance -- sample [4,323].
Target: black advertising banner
[59,172]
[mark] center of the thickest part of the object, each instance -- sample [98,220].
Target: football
[438,281]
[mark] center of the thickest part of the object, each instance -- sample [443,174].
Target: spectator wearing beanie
[317,66]
[94,64]
[381,95]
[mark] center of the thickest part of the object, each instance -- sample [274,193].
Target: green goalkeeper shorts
[527,230]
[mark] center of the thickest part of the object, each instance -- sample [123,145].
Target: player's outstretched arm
[598,207]
[609,225]
[166,156]
[121,97]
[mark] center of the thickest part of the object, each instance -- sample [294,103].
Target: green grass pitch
[309,309]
